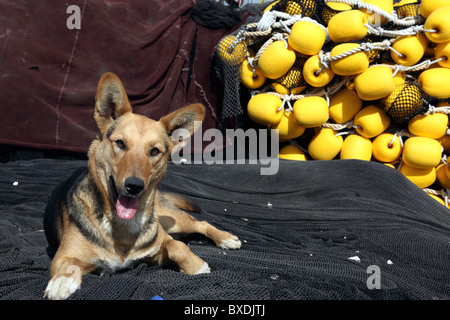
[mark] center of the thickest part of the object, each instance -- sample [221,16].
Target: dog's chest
[112,262]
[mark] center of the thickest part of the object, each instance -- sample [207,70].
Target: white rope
[412,30]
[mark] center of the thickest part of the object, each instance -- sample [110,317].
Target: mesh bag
[405,102]
[306,8]
[294,77]
[408,10]
[327,12]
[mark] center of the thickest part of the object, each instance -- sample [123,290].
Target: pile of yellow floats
[327,75]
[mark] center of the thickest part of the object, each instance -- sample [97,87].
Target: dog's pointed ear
[180,124]
[111,101]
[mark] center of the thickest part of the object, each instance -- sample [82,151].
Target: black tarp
[312,231]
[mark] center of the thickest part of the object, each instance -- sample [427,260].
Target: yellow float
[276,59]
[428,6]
[387,148]
[325,145]
[347,25]
[351,64]
[344,105]
[422,152]
[288,127]
[307,37]
[411,49]
[315,74]
[374,83]
[291,152]
[356,147]
[371,121]
[439,22]
[435,82]
[264,108]
[433,125]
[311,111]
[422,178]
[442,50]
[252,78]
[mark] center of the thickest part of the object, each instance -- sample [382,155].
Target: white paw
[233,243]
[61,288]
[204,269]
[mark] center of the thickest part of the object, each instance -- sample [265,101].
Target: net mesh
[298,247]
[405,102]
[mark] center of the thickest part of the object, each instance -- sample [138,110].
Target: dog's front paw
[232,243]
[61,287]
[204,269]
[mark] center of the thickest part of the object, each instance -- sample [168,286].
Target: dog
[110,214]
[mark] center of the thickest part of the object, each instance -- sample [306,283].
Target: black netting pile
[299,228]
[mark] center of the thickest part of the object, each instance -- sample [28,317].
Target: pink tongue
[126,207]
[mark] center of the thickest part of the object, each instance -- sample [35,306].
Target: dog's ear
[180,124]
[111,101]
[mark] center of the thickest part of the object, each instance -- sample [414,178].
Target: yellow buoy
[435,82]
[347,26]
[288,127]
[371,121]
[442,50]
[235,56]
[386,148]
[313,76]
[420,177]
[428,6]
[350,64]
[374,83]
[311,111]
[441,175]
[412,48]
[262,109]
[325,145]
[276,59]
[438,199]
[439,21]
[344,105]
[252,78]
[356,147]
[433,125]
[422,152]
[307,38]
[292,152]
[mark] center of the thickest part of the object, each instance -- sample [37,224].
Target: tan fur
[148,235]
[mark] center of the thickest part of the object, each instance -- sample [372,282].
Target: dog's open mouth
[126,206]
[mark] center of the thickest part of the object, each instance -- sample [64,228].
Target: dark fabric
[49,73]
[212,14]
[298,229]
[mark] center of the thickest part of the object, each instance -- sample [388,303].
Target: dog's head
[132,151]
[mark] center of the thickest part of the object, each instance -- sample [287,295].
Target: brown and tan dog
[111,214]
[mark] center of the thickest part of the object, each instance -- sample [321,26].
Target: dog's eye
[120,144]
[154,151]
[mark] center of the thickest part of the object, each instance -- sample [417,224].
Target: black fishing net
[315,230]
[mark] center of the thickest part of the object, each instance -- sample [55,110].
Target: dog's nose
[134,185]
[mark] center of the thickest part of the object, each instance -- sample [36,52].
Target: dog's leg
[180,222]
[71,262]
[66,277]
[180,253]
